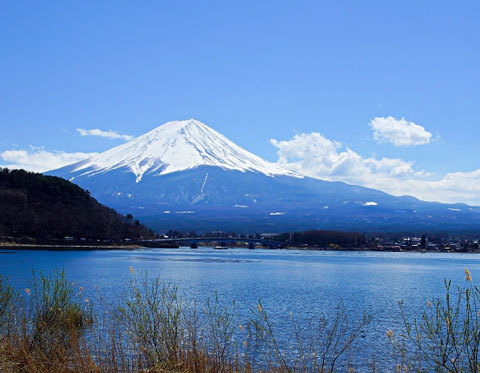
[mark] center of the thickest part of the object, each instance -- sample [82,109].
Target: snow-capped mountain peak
[213,184]
[177,146]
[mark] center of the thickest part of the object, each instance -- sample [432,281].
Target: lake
[303,282]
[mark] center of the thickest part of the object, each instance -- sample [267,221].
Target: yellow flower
[241,327]
[28,291]
[81,288]
[467,275]
[131,269]
[429,304]
[390,333]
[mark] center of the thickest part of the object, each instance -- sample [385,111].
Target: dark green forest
[39,206]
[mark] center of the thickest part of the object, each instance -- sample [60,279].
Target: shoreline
[4,246]
[87,247]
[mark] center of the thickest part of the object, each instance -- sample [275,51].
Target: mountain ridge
[177,146]
[185,174]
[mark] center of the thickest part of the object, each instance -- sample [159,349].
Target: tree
[423,242]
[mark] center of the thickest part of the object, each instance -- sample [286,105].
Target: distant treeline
[318,238]
[322,238]
[35,205]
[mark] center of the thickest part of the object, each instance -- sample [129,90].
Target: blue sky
[254,71]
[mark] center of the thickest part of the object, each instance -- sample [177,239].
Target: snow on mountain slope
[177,146]
[184,175]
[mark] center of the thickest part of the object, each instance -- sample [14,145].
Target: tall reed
[446,338]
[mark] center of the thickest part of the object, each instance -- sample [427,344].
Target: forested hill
[35,205]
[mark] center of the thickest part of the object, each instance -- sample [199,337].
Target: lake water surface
[305,283]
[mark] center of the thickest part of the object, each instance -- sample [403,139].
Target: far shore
[137,246]
[74,247]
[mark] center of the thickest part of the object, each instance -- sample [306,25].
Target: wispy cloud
[399,132]
[314,155]
[40,160]
[108,134]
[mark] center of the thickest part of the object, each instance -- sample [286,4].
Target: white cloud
[40,160]
[399,132]
[316,156]
[108,134]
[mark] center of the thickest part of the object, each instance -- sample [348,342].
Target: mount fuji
[184,175]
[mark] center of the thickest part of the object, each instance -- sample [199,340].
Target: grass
[52,327]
